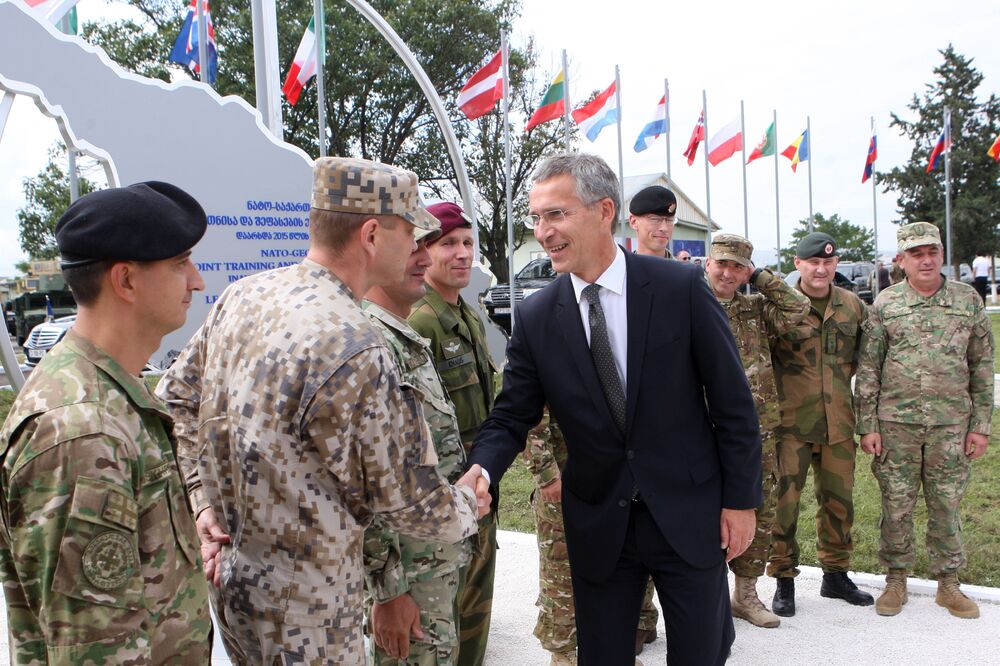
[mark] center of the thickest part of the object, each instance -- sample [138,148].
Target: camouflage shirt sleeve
[538,454]
[784,307]
[76,561]
[868,381]
[370,430]
[981,377]
[384,571]
[180,389]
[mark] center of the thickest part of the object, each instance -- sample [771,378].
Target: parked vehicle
[839,280]
[32,308]
[964,272]
[858,272]
[44,337]
[532,278]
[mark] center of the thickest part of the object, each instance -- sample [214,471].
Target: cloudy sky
[837,63]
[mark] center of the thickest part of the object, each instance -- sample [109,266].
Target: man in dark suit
[636,361]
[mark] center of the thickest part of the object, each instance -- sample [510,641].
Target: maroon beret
[451,217]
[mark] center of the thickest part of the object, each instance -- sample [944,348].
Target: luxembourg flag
[725,142]
[303,66]
[654,128]
[598,113]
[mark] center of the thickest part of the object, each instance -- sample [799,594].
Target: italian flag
[766,147]
[303,65]
[553,104]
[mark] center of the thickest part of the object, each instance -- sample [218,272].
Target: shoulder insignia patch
[108,561]
[451,347]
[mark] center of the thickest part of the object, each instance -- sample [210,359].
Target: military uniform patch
[108,561]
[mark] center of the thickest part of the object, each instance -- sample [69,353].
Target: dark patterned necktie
[604,360]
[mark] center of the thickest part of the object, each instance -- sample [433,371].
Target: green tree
[48,196]
[975,194]
[854,243]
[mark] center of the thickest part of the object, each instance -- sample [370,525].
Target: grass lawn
[995,319]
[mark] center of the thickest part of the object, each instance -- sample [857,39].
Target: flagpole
[666,112]
[202,43]
[505,50]
[777,199]
[74,177]
[267,81]
[743,160]
[708,191]
[566,106]
[947,187]
[809,154]
[876,285]
[320,25]
[621,168]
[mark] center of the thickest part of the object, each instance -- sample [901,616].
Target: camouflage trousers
[252,641]
[475,595]
[556,625]
[833,481]
[753,560]
[438,601]
[934,456]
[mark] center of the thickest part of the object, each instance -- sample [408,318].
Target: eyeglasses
[685,258]
[658,219]
[550,216]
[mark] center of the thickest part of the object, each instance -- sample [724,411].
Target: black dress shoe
[837,585]
[783,603]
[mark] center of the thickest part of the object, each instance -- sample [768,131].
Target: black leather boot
[783,603]
[837,585]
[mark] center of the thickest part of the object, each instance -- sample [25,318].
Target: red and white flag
[725,142]
[304,65]
[697,136]
[481,93]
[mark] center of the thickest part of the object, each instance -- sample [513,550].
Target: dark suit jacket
[692,440]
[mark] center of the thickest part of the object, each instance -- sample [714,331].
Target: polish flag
[481,93]
[725,142]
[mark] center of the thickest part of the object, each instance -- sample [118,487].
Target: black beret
[816,244]
[654,200]
[142,222]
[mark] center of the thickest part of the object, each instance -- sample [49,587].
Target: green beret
[816,244]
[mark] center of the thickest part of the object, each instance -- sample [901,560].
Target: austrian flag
[303,65]
[483,90]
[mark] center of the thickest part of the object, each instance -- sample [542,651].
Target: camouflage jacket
[458,344]
[896,274]
[393,561]
[756,321]
[926,360]
[545,452]
[98,551]
[292,418]
[813,365]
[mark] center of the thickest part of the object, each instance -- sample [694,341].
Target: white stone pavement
[824,631]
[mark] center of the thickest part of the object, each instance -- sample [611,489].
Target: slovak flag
[185,51]
[870,162]
[597,114]
[481,93]
[654,128]
[942,146]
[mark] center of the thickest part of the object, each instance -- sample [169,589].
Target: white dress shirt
[613,302]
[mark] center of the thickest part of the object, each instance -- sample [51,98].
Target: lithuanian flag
[553,104]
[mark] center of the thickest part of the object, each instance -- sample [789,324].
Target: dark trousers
[981,283]
[695,603]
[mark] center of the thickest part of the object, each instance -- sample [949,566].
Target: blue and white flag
[654,128]
[185,51]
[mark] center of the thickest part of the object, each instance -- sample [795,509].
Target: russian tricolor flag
[654,128]
[598,113]
[940,148]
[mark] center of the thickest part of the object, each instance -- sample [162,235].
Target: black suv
[533,277]
[858,272]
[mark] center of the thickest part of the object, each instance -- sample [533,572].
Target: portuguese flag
[553,104]
[766,147]
[303,65]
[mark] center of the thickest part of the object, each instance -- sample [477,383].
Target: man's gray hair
[594,178]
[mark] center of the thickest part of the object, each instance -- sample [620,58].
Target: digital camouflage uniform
[458,344]
[545,457]
[925,379]
[98,551]
[394,564]
[896,274]
[813,365]
[294,426]
[756,321]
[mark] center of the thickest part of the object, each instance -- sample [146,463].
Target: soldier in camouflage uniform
[813,366]
[98,550]
[296,429]
[413,584]
[896,274]
[458,343]
[756,321]
[924,397]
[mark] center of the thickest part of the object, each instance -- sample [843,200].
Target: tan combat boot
[951,597]
[564,658]
[748,606]
[894,595]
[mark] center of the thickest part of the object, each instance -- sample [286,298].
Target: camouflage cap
[816,244]
[916,234]
[349,185]
[730,247]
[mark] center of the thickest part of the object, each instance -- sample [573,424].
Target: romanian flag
[767,146]
[304,65]
[553,104]
[940,148]
[994,150]
[799,150]
[870,161]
